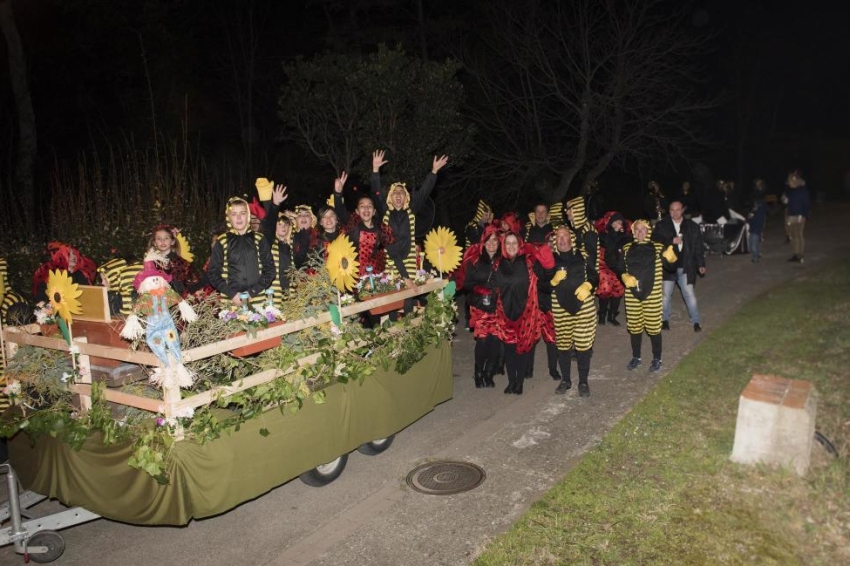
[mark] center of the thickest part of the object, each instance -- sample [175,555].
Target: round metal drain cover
[445,478]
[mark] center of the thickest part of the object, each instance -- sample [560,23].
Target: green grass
[660,488]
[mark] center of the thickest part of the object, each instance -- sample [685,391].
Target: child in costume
[241,264]
[171,252]
[80,268]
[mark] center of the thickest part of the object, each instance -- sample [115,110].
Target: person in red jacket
[519,318]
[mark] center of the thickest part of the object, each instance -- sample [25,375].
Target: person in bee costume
[639,267]
[573,283]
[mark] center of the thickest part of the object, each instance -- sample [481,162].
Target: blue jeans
[687,294]
[755,246]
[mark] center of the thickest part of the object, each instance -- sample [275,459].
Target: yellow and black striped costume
[128,292]
[556,215]
[280,294]
[259,239]
[409,261]
[642,260]
[575,321]
[112,272]
[586,236]
[475,228]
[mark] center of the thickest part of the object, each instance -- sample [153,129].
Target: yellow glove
[629,280]
[264,188]
[560,275]
[583,291]
[670,254]
[330,201]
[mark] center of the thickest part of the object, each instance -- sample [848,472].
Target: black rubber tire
[376,446]
[326,473]
[52,540]
[826,443]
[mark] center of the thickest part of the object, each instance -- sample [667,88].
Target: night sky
[97,67]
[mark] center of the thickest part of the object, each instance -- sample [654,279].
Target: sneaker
[655,365]
[697,327]
[563,387]
[633,364]
[583,389]
[665,325]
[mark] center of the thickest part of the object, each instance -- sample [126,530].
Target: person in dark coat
[478,274]
[799,205]
[686,239]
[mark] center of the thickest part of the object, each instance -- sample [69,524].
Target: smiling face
[329,221]
[641,231]
[562,239]
[303,220]
[366,210]
[163,241]
[511,246]
[397,199]
[237,214]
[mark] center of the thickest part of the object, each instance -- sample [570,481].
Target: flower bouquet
[251,319]
[45,316]
[382,284]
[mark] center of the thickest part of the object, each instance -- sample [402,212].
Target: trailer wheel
[376,446]
[54,543]
[326,473]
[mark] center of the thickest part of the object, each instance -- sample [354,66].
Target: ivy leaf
[264,432]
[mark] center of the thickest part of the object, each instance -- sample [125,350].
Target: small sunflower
[63,293]
[185,248]
[342,263]
[441,249]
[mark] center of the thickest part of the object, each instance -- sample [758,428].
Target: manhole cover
[445,478]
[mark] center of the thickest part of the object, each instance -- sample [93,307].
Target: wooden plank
[207,397]
[142,358]
[144,403]
[94,302]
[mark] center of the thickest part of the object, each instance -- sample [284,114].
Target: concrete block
[776,423]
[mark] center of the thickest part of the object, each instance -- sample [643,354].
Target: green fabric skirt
[213,478]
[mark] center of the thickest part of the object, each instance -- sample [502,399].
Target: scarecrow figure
[155,298]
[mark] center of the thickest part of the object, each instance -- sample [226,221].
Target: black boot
[603,310]
[518,385]
[487,374]
[613,311]
[510,388]
[552,358]
[479,378]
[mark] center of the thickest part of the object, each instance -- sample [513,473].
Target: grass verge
[660,489]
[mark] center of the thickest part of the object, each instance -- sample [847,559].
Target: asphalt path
[524,443]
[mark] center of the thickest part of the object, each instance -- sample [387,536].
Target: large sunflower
[342,263]
[63,293]
[441,249]
[185,248]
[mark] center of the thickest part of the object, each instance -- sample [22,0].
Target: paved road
[525,444]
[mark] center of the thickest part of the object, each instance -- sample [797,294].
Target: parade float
[189,418]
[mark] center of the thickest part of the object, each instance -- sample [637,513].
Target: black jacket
[692,255]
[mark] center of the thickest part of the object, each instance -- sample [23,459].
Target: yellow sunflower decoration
[62,293]
[441,249]
[185,248]
[342,263]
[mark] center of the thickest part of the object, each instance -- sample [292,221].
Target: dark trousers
[583,359]
[654,339]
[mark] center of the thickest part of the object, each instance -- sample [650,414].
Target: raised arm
[336,200]
[421,195]
[378,161]
[269,224]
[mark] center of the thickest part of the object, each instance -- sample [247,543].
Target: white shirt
[677,226]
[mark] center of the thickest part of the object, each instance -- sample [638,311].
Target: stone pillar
[776,423]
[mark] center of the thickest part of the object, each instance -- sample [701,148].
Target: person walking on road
[685,237]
